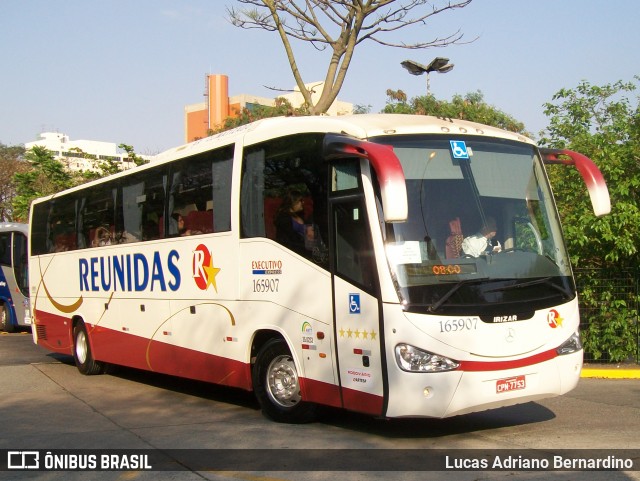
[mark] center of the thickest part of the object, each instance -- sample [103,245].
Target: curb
[611,372]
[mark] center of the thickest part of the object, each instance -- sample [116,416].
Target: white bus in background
[14,282]
[320,261]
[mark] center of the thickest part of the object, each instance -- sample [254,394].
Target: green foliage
[46,176]
[604,124]
[11,161]
[470,107]
[609,312]
[131,154]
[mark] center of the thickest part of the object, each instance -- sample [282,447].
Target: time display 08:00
[452,269]
[441,269]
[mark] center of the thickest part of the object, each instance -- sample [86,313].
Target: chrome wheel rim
[282,382]
[81,347]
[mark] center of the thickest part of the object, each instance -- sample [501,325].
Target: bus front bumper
[451,393]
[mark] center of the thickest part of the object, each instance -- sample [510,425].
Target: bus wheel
[5,319]
[82,352]
[277,386]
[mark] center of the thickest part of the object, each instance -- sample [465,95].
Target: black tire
[5,319]
[82,355]
[277,387]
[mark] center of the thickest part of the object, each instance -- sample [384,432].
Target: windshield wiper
[545,280]
[436,305]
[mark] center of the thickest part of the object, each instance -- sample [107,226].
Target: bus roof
[14,226]
[362,126]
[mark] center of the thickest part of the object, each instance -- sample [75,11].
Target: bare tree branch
[339,26]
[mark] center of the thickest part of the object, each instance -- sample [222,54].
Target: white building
[80,154]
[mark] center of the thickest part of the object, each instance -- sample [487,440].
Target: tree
[604,124]
[471,107]
[11,162]
[45,176]
[339,26]
[131,154]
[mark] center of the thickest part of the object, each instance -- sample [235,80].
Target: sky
[122,71]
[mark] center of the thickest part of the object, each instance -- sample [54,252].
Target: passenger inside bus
[453,245]
[101,237]
[292,229]
[183,230]
[480,242]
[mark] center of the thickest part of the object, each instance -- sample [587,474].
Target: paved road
[47,404]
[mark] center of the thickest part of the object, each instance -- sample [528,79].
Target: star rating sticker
[211,272]
[358,334]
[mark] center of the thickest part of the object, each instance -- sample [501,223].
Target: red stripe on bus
[118,347]
[362,402]
[54,332]
[320,392]
[329,395]
[125,349]
[150,354]
[480,366]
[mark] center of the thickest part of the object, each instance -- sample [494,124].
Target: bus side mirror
[385,163]
[590,173]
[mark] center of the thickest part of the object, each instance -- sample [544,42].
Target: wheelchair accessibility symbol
[459,149]
[354,303]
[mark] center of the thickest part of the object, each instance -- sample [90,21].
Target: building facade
[201,118]
[79,155]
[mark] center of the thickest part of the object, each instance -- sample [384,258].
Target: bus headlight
[571,345]
[412,359]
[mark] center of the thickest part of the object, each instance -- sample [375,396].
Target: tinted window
[200,194]
[141,212]
[96,222]
[5,248]
[284,194]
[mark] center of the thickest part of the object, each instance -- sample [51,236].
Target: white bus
[320,261]
[14,283]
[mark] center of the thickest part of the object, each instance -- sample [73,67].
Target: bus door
[20,272]
[356,307]
[14,281]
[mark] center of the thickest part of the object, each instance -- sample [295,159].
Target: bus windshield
[482,233]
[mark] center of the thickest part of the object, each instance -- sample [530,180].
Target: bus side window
[142,206]
[273,173]
[200,192]
[5,249]
[62,224]
[96,220]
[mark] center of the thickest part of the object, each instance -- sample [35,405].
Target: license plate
[510,384]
